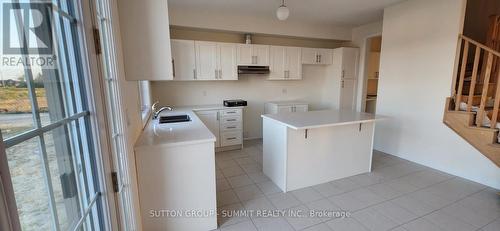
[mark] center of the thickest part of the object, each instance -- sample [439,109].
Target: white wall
[359,39]
[417,59]
[255,89]
[251,24]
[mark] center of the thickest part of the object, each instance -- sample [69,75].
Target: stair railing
[490,66]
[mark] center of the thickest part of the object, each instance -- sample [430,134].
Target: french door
[52,170]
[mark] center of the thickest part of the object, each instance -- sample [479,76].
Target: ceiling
[347,13]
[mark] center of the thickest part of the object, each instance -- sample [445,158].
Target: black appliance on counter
[235,103]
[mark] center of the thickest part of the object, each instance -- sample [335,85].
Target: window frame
[98,206]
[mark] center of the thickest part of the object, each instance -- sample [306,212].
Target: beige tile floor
[397,195]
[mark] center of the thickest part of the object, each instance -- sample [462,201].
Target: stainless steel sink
[174,119]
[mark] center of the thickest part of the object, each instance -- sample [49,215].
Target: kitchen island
[303,149]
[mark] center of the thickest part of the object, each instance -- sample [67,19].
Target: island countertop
[317,119]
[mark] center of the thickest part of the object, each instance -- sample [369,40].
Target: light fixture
[282,12]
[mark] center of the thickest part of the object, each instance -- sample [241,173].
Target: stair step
[478,89]
[476,99]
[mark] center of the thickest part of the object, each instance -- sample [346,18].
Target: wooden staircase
[475,98]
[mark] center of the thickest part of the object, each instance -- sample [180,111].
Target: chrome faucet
[157,112]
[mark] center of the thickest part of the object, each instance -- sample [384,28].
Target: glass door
[48,144]
[112,96]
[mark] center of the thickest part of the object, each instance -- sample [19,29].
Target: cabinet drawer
[231,138]
[231,126]
[231,112]
[230,119]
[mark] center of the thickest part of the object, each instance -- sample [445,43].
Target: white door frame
[363,71]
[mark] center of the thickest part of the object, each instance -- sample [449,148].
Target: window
[45,119]
[145,100]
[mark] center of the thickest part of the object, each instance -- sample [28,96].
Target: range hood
[255,70]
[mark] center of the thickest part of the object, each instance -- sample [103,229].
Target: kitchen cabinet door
[227,67]
[183,59]
[145,40]
[261,53]
[245,54]
[284,108]
[347,94]
[293,64]
[277,62]
[309,56]
[325,56]
[349,62]
[301,108]
[206,60]
[211,120]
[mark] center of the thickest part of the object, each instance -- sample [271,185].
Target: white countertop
[317,119]
[182,133]
[286,102]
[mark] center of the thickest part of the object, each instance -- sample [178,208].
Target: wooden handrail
[484,47]
[490,60]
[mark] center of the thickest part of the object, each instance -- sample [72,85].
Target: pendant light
[282,12]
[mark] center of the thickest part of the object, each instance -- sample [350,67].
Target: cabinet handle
[319,58]
[216,74]
[231,138]
[231,120]
[230,112]
[305,135]
[230,127]
[173,67]
[220,73]
[342,83]
[217,116]
[343,73]
[194,74]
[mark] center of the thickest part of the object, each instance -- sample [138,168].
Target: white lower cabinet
[285,106]
[225,124]
[211,120]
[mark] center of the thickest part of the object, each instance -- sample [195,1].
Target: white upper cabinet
[277,62]
[285,63]
[317,56]
[253,55]
[350,62]
[293,65]
[144,36]
[183,59]
[245,54]
[309,56]
[345,64]
[206,60]
[325,56]
[226,61]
